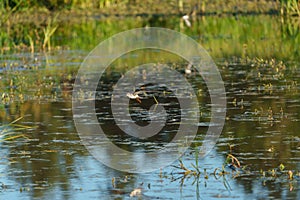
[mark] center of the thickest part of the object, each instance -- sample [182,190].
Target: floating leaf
[281,167]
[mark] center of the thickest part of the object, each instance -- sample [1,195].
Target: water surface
[261,129]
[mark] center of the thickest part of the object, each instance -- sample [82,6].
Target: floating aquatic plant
[9,132]
[233,168]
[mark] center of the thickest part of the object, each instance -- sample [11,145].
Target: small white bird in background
[186,20]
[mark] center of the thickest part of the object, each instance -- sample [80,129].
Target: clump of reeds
[49,31]
[290,7]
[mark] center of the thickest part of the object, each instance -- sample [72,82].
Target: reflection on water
[261,130]
[262,127]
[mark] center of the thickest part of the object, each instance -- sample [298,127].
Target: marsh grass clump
[36,37]
[233,168]
[290,7]
[280,174]
[49,31]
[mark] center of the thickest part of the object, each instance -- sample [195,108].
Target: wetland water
[42,156]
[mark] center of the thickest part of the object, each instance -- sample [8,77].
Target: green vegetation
[290,7]
[133,7]
[48,32]
[232,169]
[73,24]
[248,36]
[59,4]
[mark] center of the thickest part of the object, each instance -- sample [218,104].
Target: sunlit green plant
[290,7]
[5,12]
[49,31]
[31,43]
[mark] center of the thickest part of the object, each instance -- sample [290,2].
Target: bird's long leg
[155,99]
[138,100]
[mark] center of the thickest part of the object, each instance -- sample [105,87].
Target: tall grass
[49,31]
[7,12]
[290,7]
[9,5]
[261,36]
[144,6]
